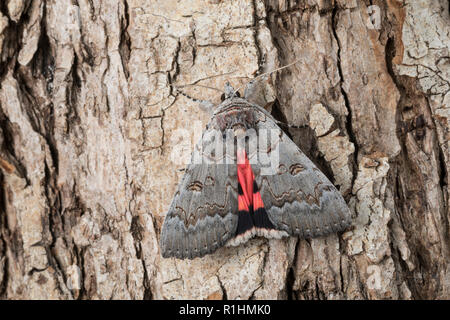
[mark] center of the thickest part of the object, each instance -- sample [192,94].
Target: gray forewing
[298,197]
[203,214]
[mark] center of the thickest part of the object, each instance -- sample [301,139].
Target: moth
[247,178]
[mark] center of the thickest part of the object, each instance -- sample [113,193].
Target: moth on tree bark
[89,124]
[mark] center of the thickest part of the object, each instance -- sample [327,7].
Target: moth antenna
[194,85]
[280,123]
[267,73]
[204,104]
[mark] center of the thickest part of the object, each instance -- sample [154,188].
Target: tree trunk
[89,126]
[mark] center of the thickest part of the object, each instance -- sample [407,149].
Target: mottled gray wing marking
[298,197]
[203,214]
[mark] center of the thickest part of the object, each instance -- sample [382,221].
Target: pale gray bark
[89,124]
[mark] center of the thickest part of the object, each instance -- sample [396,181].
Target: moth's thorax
[236,120]
[235,114]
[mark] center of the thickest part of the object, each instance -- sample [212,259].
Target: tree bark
[90,124]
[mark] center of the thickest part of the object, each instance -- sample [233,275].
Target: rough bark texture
[89,124]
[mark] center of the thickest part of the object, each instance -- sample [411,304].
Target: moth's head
[229,92]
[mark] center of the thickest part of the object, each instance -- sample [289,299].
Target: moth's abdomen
[252,218]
